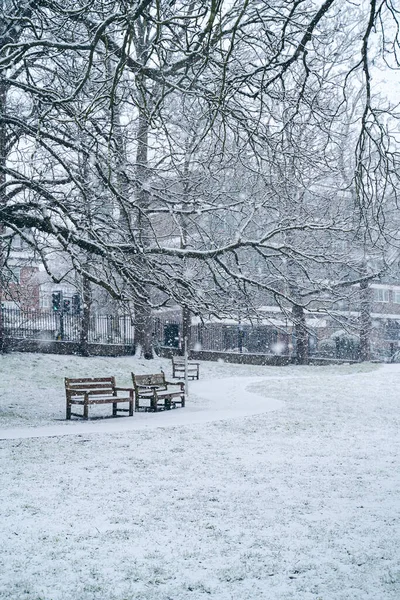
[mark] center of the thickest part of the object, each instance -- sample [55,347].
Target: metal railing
[119,329]
[45,325]
[221,337]
[50,326]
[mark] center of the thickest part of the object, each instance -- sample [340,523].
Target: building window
[396,296]
[45,302]
[381,295]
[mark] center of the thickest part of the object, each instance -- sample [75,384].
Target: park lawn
[281,484]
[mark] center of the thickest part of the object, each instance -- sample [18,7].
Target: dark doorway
[171,335]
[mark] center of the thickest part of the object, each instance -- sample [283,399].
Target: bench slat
[88,379]
[91,386]
[74,393]
[111,400]
[149,380]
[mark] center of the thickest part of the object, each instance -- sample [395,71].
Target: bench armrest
[123,389]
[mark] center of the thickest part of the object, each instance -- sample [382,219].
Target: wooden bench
[178,368]
[153,392]
[96,390]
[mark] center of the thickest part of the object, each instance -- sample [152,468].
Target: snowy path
[213,400]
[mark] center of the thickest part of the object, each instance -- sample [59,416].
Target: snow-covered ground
[273,483]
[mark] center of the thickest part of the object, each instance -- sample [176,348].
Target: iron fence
[167,332]
[119,329]
[223,337]
[50,326]
[217,337]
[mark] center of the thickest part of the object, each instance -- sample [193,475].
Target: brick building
[20,280]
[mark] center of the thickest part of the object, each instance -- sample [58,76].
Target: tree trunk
[143,331]
[299,320]
[3,99]
[186,314]
[85,321]
[365,321]
[143,321]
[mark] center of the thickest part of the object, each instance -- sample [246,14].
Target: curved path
[211,400]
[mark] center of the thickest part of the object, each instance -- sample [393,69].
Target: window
[45,302]
[396,296]
[381,295]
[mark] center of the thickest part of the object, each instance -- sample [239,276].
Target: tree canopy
[200,150]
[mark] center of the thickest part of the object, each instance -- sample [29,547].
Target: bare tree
[267,79]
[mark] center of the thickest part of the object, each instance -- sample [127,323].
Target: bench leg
[114,409]
[131,408]
[167,403]
[85,411]
[68,416]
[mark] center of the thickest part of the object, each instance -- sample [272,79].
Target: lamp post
[240,338]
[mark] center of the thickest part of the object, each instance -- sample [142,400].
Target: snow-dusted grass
[299,500]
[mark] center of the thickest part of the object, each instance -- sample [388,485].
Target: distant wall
[243,359]
[167,352]
[26,345]
[248,358]
[45,347]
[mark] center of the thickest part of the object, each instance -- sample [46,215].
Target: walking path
[212,400]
